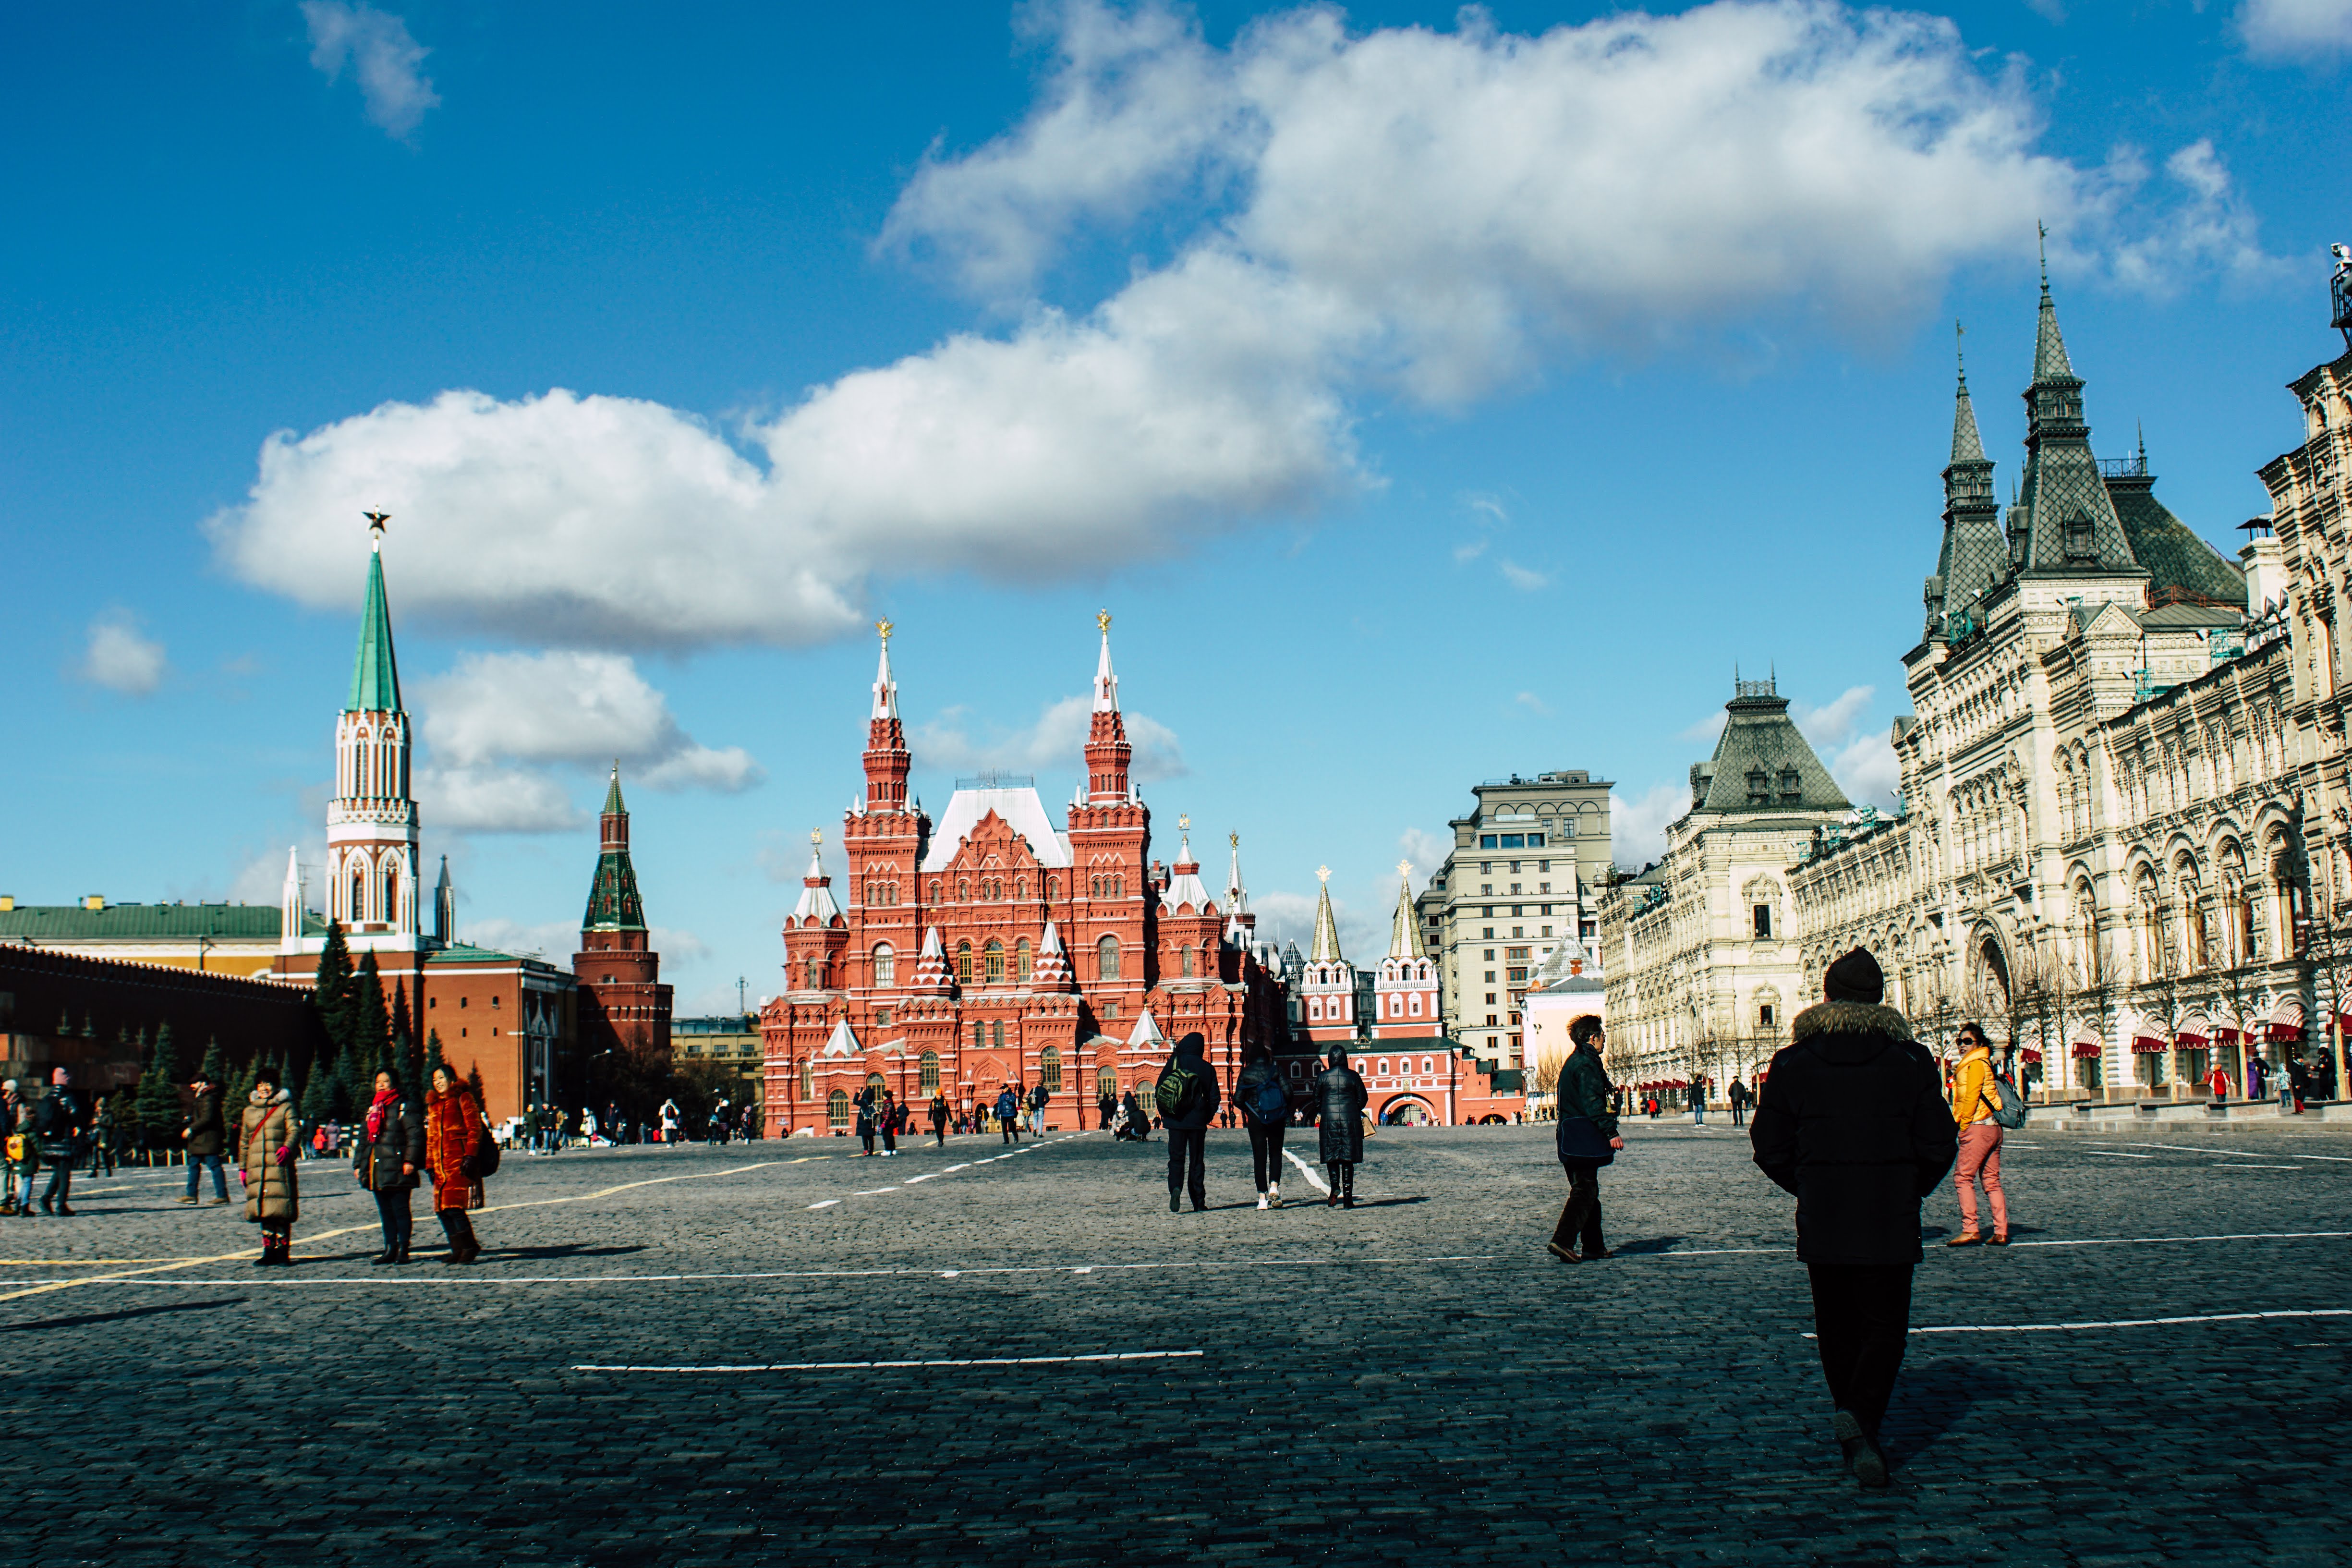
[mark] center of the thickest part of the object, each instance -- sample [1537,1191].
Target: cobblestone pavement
[1414,1379]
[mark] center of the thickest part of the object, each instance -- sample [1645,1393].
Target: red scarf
[383,1097]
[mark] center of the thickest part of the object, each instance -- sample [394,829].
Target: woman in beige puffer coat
[267,1148]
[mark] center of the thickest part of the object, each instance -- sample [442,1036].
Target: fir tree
[130,1124]
[318,1102]
[371,1037]
[473,1083]
[434,1060]
[159,1092]
[239,1092]
[331,991]
[214,1070]
[403,1039]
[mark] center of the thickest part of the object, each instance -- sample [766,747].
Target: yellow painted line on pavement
[351,1229]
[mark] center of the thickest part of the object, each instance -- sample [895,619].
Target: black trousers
[1265,1154]
[458,1226]
[1343,1177]
[1579,1216]
[866,1136]
[60,1182]
[1861,1314]
[1188,1151]
[392,1209]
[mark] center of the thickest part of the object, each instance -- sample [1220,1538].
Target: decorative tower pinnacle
[1404,930]
[1327,928]
[2068,524]
[445,908]
[1109,754]
[887,762]
[372,827]
[1975,555]
[614,905]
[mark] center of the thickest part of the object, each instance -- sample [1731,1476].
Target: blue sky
[1429,396]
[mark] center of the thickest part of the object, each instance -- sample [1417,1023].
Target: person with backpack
[1976,1096]
[1340,1099]
[455,1136]
[1851,1120]
[1265,1106]
[1008,1114]
[1587,1139]
[1187,1097]
[886,1122]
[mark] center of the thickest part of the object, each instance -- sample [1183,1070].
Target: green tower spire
[375,677]
[613,901]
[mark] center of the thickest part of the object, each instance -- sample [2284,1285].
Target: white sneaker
[1261,1200]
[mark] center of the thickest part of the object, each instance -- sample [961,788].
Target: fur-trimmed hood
[1840,1027]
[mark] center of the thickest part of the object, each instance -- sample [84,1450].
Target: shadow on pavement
[568,1250]
[75,1323]
[1653,1244]
[1931,1397]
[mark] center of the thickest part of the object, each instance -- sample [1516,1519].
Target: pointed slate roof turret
[1327,929]
[1975,554]
[613,901]
[2070,525]
[1761,762]
[375,675]
[1147,1032]
[843,1041]
[932,971]
[1052,971]
[816,903]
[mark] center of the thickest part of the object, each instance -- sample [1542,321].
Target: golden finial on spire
[816,836]
[1323,873]
[1234,839]
[1102,620]
[885,627]
[1185,822]
[1404,868]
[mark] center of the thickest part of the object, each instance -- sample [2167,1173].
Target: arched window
[885,964]
[1184,961]
[1021,888]
[931,1072]
[1049,1067]
[1106,1084]
[1053,887]
[1416,1003]
[996,1033]
[1143,1094]
[836,1110]
[963,889]
[1095,886]
[1021,960]
[935,890]
[1427,1065]
[1117,887]
[816,973]
[808,1079]
[1106,959]
[392,898]
[1383,1068]
[1315,1008]
[359,896]
[994,957]
[963,962]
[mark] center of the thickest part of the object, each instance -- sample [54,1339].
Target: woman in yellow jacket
[1974,1100]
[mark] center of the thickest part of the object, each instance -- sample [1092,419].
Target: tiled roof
[141,923]
[2176,558]
[1760,739]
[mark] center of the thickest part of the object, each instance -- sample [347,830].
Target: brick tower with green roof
[623,1004]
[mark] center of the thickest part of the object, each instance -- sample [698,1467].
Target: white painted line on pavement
[1314,1177]
[2131,1322]
[826,1205]
[873,1192]
[882,1365]
[2115,1154]
[2243,1235]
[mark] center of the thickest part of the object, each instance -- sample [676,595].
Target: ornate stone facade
[2123,777]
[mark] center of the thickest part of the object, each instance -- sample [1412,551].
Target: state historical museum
[996,950]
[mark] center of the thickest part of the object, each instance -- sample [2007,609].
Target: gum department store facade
[2126,818]
[996,949]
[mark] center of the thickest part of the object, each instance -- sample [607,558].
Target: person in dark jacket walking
[1187,1120]
[1738,1098]
[1340,1099]
[1008,1115]
[390,1148]
[939,1118]
[1853,1121]
[1588,1122]
[101,1136]
[59,1122]
[1265,1106]
[204,1137]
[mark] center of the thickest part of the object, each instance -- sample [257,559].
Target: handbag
[1580,1144]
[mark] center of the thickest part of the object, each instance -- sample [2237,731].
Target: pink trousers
[1980,1157]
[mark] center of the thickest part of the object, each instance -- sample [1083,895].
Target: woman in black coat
[1340,1097]
[391,1152]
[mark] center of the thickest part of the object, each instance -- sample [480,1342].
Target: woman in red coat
[453,1132]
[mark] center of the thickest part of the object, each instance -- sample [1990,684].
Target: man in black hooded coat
[1851,1120]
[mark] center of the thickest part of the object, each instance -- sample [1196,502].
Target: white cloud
[1707,730]
[498,709]
[1524,577]
[559,940]
[1427,851]
[119,657]
[494,800]
[2209,226]
[1058,740]
[1865,768]
[1404,212]
[1834,721]
[1532,702]
[1637,828]
[388,63]
[2296,30]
